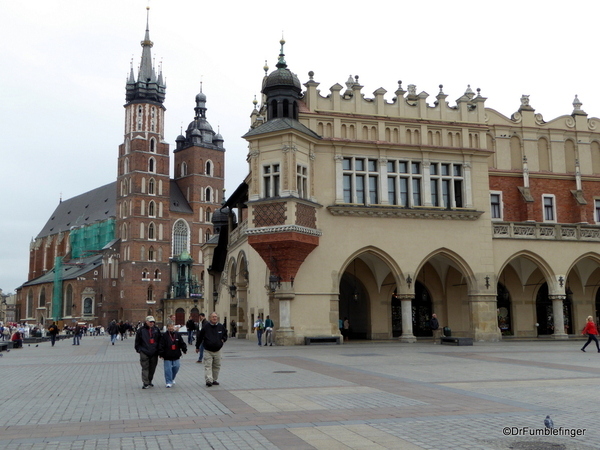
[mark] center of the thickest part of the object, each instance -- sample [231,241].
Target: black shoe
[271,345]
[583,350]
[151,385]
[209,384]
[146,386]
[216,383]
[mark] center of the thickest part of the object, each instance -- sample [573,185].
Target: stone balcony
[546,231]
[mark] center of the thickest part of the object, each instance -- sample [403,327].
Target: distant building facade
[386,211]
[133,247]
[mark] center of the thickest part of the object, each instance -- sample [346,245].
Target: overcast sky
[64,66]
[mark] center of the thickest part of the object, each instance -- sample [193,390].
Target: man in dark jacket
[212,335]
[170,347]
[147,339]
[53,331]
[435,328]
[113,330]
[191,327]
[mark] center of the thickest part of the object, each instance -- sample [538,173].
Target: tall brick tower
[143,192]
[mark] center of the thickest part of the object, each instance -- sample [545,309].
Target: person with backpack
[53,332]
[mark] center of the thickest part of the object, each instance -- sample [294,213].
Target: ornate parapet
[404,213]
[545,231]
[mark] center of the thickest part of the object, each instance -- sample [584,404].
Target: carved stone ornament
[403,213]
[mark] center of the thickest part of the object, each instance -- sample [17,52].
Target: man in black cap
[146,344]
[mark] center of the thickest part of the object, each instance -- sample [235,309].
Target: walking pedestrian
[269,325]
[191,327]
[213,335]
[53,331]
[113,330]
[592,333]
[199,345]
[170,348]
[146,344]
[259,326]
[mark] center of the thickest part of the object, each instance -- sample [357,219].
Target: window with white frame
[446,182]
[549,208]
[404,183]
[496,205]
[360,180]
[597,210]
[271,180]
[302,181]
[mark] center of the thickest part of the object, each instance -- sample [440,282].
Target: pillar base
[407,339]
[285,336]
[560,336]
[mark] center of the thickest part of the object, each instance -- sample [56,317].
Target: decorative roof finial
[255,102]
[266,68]
[281,64]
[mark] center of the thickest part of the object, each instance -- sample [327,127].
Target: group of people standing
[152,344]
[264,327]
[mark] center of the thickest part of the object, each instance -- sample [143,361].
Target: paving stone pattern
[360,395]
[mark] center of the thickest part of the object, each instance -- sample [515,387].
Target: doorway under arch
[353,304]
[545,313]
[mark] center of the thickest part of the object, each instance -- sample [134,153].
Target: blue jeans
[201,352]
[113,338]
[171,369]
[259,334]
[190,337]
[76,338]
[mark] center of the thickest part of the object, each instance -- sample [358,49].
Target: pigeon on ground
[1,355]
[36,345]
[548,422]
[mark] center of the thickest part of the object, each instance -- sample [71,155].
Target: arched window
[124,232]
[207,235]
[30,303]
[151,231]
[209,170]
[181,238]
[69,301]
[151,165]
[150,294]
[143,187]
[145,274]
[183,169]
[157,274]
[208,195]
[151,209]
[42,300]
[126,166]
[151,186]
[143,253]
[153,143]
[151,255]
[208,214]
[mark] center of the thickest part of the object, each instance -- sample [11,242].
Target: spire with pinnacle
[148,86]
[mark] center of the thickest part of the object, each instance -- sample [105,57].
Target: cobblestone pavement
[360,395]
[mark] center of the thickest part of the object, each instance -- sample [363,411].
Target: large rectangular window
[271,180]
[360,180]
[446,182]
[404,183]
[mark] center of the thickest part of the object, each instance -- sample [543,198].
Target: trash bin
[447,332]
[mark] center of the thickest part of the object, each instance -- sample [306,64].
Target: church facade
[387,211]
[133,247]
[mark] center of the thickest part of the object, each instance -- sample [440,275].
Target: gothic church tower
[143,193]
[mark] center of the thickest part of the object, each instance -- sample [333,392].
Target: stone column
[407,325]
[284,335]
[558,316]
[483,315]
